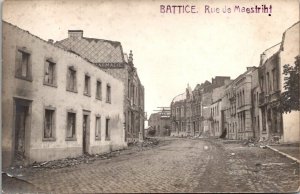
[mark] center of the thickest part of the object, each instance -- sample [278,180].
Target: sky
[169,50]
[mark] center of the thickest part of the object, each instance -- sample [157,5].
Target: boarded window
[108,94]
[71,80]
[87,85]
[49,124]
[49,77]
[107,131]
[98,127]
[22,65]
[71,125]
[99,90]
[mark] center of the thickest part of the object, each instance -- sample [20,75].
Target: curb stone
[284,154]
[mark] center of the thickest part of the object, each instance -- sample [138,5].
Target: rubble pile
[252,142]
[150,142]
[89,158]
[67,162]
[146,143]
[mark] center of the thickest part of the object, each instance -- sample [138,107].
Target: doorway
[85,132]
[21,129]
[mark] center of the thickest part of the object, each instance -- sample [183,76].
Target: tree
[289,99]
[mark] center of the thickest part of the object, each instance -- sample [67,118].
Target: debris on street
[270,164]
[89,158]
[263,146]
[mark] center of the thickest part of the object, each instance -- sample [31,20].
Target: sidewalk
[289,149]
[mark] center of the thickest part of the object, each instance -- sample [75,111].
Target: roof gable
[95,50]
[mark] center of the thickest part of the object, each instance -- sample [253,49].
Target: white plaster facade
[288,51]
[39,96]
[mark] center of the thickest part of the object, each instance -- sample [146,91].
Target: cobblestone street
[176,165]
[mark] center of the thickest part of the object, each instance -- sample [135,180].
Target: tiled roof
[95,50]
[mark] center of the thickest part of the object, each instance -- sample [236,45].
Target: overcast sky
[170,50]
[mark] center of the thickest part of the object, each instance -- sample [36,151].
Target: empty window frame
[50,73]
[274,76]
[108,93]
[49,124]
[23,65]
[107,129]
[87,85]
[71,80]
[99,90]
[71,126]
[98,128]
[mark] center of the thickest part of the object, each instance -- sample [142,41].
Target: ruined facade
[191,111]
[246,107]
[238,106]
[289,49]
[161,123]
[109,56]
[55,104]
[229,111]
[178,118]
[255,111]
[215,112]
[269,74]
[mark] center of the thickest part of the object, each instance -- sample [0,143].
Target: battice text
[178,9]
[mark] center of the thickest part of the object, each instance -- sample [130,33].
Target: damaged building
[55,103]
[160,122]
[109,56]
[238,106]
[276,125]
[191,111]
[269,74]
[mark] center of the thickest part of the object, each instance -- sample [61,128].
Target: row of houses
[245,107]
[75,96]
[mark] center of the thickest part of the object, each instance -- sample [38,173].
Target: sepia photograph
[152,96]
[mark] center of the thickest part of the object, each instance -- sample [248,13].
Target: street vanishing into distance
[174,165]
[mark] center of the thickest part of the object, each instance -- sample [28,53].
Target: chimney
[249,68]
[76,34]
[263,58]
[50,41]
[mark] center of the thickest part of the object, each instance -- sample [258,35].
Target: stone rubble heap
[87,158]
